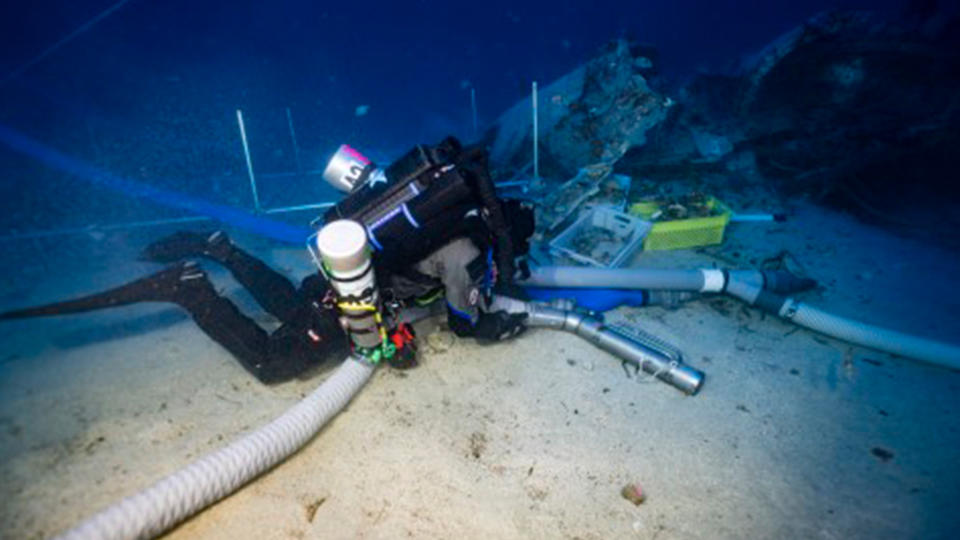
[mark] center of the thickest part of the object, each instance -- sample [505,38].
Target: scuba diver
[437,230]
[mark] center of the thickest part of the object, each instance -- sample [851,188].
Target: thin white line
[63,41]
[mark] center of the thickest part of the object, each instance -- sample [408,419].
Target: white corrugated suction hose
[189,490]
[891,341]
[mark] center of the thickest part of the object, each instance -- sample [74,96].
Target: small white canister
[342,245]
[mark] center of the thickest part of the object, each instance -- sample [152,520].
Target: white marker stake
[536,128]
[473,109]
[246,153]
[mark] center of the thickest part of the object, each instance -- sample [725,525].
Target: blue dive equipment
[410,209]
[419,202]
[591,299]
[602,299]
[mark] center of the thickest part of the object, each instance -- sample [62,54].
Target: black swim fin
[186,284]
[184,244]
[274,292]
[183,284]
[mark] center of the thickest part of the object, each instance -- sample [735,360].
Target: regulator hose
[475,160]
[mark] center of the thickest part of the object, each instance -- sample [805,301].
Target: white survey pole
[536,134]
[296,147]
[473,109]
[246,153]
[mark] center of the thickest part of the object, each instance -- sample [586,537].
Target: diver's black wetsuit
[308,336]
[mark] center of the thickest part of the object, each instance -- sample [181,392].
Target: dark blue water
[133,117]
[150,91]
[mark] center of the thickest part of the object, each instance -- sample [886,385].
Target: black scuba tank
[416,207]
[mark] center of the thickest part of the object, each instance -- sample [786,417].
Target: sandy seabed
[794,435]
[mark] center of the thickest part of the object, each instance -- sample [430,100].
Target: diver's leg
[220,319]
[311,340]
[186,285]
[167,285]
[312,336]
[177,246]
[272,290]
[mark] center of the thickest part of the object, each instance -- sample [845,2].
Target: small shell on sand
[633,493]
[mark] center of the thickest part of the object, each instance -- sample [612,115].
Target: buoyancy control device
[421,201]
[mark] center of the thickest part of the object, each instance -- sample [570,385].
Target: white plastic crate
[601,237]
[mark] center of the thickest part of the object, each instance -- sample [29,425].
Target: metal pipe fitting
[669,370]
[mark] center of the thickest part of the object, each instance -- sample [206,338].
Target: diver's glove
[499,325]
[490,327]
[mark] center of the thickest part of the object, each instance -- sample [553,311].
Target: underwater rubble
[845,109]
[594,114]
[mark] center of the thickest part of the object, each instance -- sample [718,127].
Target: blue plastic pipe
[591,299]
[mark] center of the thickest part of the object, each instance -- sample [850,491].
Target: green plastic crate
[683,233]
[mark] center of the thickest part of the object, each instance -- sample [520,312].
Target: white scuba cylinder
[343,249]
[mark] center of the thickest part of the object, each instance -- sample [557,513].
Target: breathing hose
[487,193]
[180,495]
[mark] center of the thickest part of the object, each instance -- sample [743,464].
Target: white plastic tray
[601,237]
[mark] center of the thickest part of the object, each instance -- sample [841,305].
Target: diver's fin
[178,284]
[184,244]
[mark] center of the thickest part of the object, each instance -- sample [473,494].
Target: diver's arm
[463,269]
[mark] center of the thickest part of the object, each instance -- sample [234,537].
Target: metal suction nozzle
[656,363]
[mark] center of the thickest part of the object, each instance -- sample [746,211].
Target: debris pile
[845,109]
[594,114]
